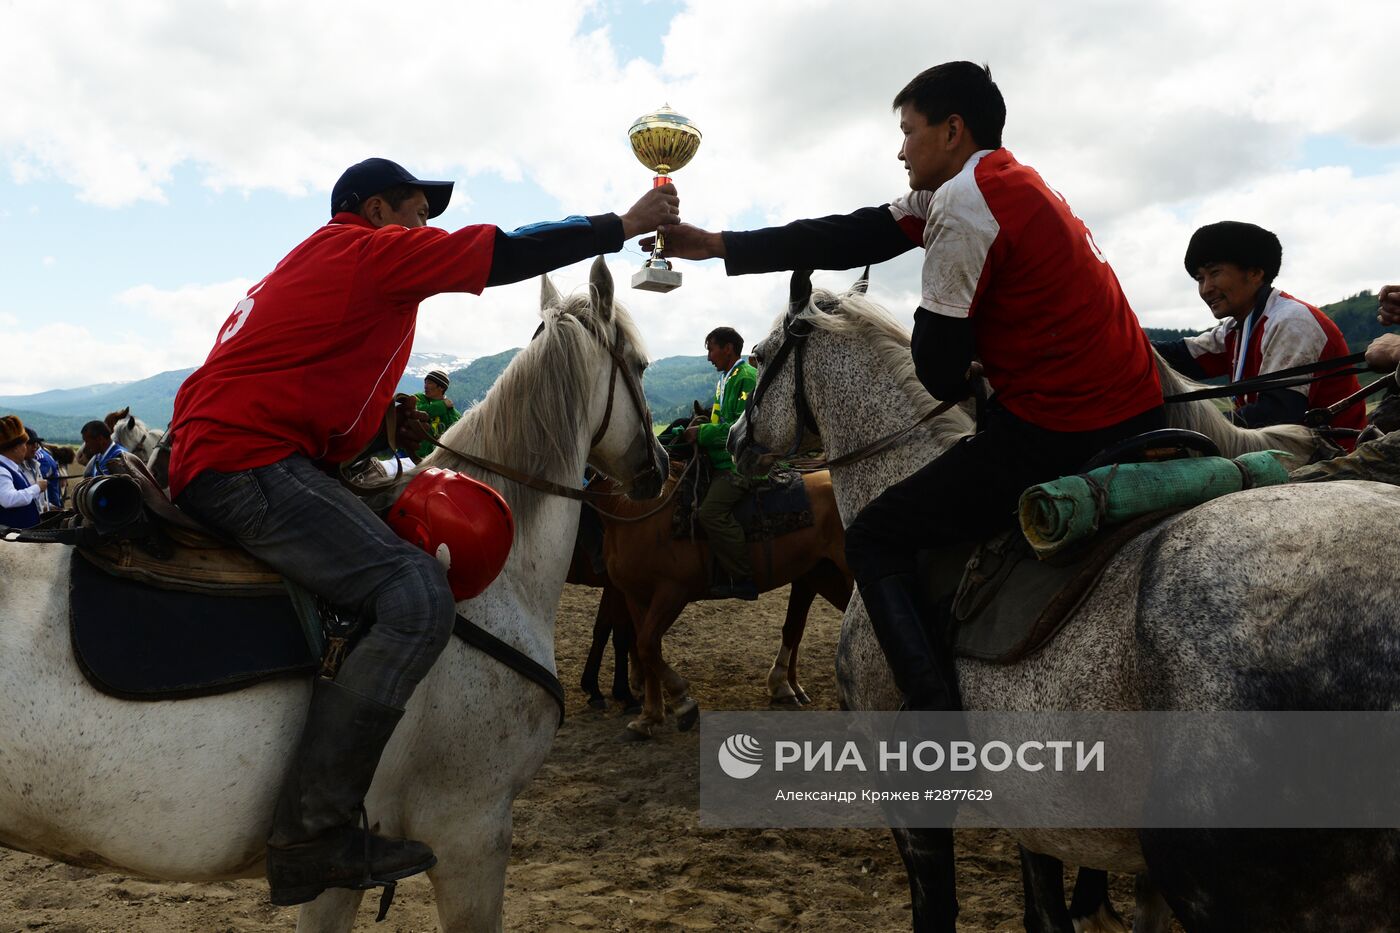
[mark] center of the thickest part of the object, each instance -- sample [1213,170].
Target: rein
[1279,379]
[665,500]
[889,440]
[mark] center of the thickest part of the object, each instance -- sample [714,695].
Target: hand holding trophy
[663,141]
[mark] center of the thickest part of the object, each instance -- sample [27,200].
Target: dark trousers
[311,529]
[970,492]
[716,514]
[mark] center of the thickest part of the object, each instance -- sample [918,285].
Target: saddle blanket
[138,642]
[778,505]
[1006,604]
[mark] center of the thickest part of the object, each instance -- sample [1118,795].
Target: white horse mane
[552,372]
[853,314]
[1203,417]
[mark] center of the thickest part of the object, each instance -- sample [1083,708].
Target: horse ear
[800,291]
[600,283]
[549,295]
[862,283]
[124,412]
[131,422]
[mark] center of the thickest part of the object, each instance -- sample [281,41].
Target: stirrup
[386,897]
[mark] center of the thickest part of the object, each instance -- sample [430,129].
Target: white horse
[138,438]
[134,435]
[1229,606]
[184,790]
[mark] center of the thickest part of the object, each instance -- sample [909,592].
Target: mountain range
[671,384]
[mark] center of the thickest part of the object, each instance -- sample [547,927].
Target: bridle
[797,327]
[796,330]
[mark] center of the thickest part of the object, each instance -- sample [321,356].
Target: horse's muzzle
[648,483]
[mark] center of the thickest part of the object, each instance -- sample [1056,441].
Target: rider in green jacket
[725,349]
[434,401]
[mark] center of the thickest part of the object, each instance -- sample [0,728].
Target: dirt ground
[607,838]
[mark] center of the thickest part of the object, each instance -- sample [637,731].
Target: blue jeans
[309,528]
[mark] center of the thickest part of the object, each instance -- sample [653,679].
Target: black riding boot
[921,671]
[317,839]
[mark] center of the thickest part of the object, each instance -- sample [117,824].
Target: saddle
[160,608]
[777,505]
[180,553]
[1005,603]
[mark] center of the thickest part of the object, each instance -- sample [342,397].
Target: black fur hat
[1246,245]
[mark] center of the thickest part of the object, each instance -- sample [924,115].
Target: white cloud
[1150,117]
[58,354]
[61,355]
[673,324]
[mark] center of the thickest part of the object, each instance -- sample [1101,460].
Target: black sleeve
[1277,406]
[943,350]
[539,248]
[841,241]
[1179,358]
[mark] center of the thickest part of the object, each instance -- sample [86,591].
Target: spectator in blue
[49,469]
[99,447]
[19,496]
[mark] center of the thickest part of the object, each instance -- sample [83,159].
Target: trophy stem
[656,257]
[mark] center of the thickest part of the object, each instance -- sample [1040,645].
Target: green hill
[151,399]
[1356,317]
[469,384]
[57,429]
[670,384]
[673,383]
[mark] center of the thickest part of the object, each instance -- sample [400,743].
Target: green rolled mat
[1055,515]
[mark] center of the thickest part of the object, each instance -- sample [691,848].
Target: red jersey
[1056,336]
[308,361]
[1285,333]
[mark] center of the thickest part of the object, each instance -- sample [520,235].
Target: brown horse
[613,622]
[659,575]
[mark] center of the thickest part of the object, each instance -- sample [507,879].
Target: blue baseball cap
[364,180]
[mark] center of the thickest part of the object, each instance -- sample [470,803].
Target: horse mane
[528,419]
[854,315]
[1203,417]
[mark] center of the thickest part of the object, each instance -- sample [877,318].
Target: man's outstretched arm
[840,241]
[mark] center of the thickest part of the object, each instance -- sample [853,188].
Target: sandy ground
[607,838]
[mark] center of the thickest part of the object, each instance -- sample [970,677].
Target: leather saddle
[774,507]
[1005,603]
[179,553]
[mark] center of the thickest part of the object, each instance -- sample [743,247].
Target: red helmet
[464,523]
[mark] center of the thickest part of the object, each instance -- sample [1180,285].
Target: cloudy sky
[157,157]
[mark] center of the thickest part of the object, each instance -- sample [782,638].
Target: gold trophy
[663,141]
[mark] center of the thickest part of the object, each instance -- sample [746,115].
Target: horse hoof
[637,730]
[802,697]
[687,714]
[597,702]
[788,702]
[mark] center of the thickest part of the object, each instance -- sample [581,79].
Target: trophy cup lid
[663,140]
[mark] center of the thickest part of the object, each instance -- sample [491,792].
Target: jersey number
[240,316]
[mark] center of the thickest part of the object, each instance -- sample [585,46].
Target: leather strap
[511,657]
[889,440]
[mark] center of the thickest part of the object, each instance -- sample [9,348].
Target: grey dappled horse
[1275,598]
